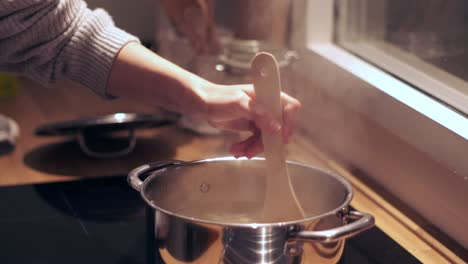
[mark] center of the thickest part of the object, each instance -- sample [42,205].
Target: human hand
[194,19]
[234,108]
[137,69]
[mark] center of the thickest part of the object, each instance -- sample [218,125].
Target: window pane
[415,40]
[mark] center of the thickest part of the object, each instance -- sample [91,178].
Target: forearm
[140,74]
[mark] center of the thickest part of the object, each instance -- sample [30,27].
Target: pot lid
[112,122]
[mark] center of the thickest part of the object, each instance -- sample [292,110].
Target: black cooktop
[103,221]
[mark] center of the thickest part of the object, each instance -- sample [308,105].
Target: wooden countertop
[37,159]
[47,159]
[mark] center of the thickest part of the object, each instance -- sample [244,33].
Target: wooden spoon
[281,203]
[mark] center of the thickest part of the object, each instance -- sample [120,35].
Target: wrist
[202,90]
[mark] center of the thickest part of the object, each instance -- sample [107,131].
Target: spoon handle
[280,203]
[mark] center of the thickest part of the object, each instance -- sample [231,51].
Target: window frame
[319,37]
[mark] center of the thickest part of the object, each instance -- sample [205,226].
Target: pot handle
[134,175]
[360,222]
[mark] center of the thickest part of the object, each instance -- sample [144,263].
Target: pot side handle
[360,223]
[134,179]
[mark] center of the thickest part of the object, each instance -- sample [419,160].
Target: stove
[104,221]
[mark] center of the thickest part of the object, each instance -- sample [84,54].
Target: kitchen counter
[40,160]
[50,159]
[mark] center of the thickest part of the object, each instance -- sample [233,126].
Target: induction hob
[105,221]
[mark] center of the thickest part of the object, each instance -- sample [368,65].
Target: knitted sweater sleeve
[48,40]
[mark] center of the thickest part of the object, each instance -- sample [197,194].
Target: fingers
[262,118]
[234,108]
[255,148]
[266,122]
[250,147]
[240,125]
[290,108]
[229,103]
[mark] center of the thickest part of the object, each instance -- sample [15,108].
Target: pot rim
[335,211]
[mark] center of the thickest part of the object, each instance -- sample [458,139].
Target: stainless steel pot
[210,211]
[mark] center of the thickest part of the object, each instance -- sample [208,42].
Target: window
[422,42]
[361,37]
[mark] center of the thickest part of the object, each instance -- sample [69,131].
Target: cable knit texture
[48,40]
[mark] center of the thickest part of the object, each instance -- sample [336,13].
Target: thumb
[265,120]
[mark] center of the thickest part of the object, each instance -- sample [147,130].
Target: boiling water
[239,213]
[234,213]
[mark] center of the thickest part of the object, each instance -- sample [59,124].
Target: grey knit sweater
[48,40]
